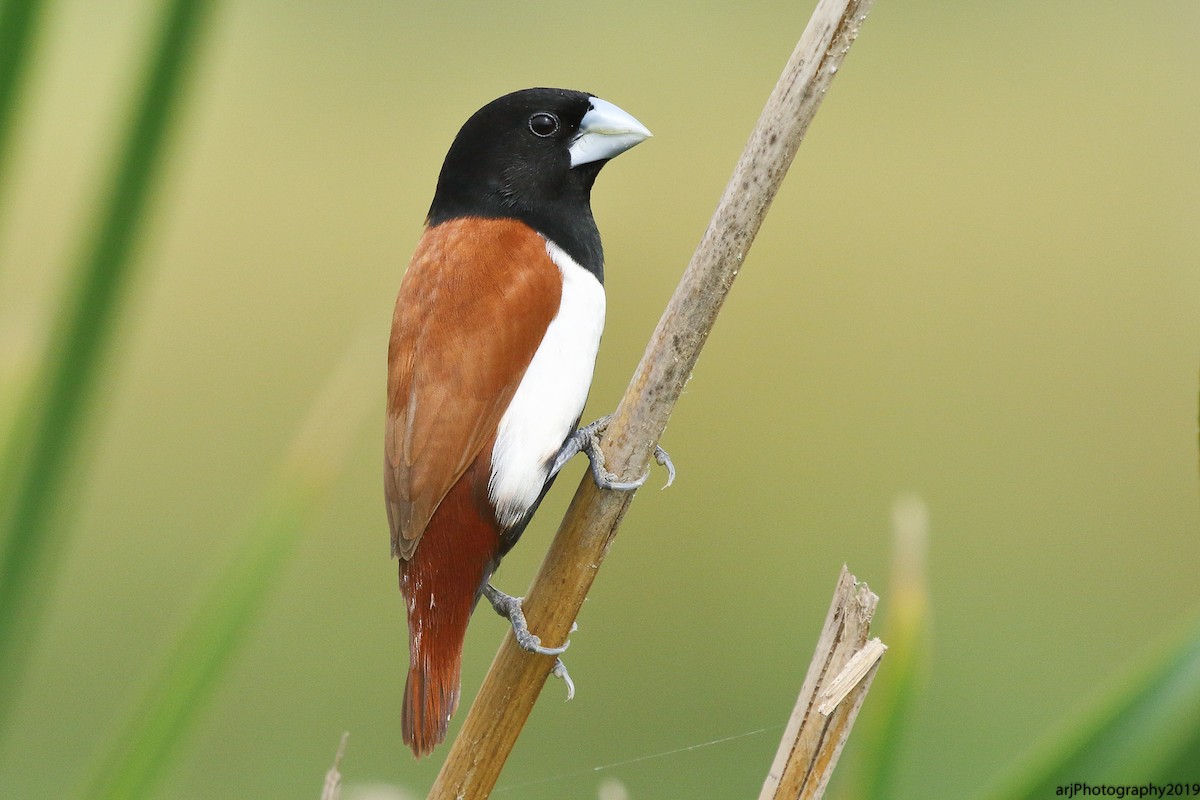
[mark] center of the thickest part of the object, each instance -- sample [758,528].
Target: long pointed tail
[430,693]
[441,584]
[438,612]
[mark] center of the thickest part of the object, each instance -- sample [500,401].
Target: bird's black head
[533,155]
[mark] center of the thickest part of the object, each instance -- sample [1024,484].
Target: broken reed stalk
[333,779]
[515,678]
[839,676]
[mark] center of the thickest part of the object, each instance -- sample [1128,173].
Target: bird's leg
[587,440]
[509,607]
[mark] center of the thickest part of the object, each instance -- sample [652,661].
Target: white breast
[551,395]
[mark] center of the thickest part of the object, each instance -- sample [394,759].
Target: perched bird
[493,344]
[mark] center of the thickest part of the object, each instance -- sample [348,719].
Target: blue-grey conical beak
[605,132]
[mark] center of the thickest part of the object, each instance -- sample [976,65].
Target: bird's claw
[664,460]
[509,607]
[560,671]
[587,440]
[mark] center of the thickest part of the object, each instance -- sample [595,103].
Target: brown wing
[473,307]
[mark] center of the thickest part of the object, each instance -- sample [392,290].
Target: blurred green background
[980,284]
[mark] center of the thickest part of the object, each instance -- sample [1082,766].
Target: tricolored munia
[493,344]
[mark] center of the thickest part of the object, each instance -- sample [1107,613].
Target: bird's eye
[543,124]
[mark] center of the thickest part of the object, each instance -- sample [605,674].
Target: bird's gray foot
[509,607]
[587,440]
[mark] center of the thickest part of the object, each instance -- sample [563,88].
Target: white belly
[550,397]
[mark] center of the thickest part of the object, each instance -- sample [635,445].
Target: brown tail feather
[441,584]
[430,699]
